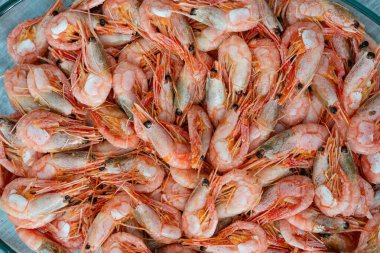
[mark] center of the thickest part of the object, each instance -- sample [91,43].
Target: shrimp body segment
[38,242]
[122,241]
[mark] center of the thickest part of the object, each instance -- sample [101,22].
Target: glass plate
[13,12]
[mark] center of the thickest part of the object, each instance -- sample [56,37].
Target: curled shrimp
[369,240]
[287,197]
[235,58]
[169,145]
[370,165]
[239,237]
[175,194]
[187,178]
[357,84]
[38,242]
[362,134]
[114,211]
[53,166]
[239,192]
[216,95]
[145,173]
[200,132]
[124,242]
[44,131]
[129,84]
[210,39]
[27,41]
[115,126]
[199,218]
[124,11]
[16,87]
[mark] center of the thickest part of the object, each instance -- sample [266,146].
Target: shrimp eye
[235,106]
[344,149]
[259,154]
[202,248]
[101,168]
[333,109]
[364,44]
[293,170]
[325,235]
[370,55]
[356,24]
[191,48]
[85,140]
[278,95]
[239,92]
[277,30]
[87,246]
[148,124]
[349,63]
[321,149]
[213,70]
[67,198]
[92,39]
[279,18]
[205,182]
[178,112]
[299,86]
[92,199]
[202,158]
[102,22]
[371,113]
[168,78]
[304,172]
[192,11]
[346,225]
[309,89]
[55,13]
[249,212]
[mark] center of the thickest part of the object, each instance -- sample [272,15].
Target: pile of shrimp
[193,126]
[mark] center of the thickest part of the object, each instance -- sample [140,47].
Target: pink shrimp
[295,110]
[316,110]
[38,242]
[200,132]
[366,199]
[115,126]
[210,39]
[106,149]
[187,178]
[362,134]
[370,165]
[122,10]
[44,131]
[124,242]
[65,60]
[342,47]
[287,197]
[369,240]
[27,41]
[175,194]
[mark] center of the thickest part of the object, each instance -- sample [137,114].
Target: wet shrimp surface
[193,126]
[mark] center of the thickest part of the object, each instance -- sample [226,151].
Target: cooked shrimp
[370,165]
[338,242]
[369,240]
[114,211]
[357,84]
[175,194]
[295,110]
[124,242]
[129,84]
[187,178]
[16,87]
[106,149]
[210,39]
[169,145]
[44,131]
[65,60]
[200,132]
[239,192]
[342,47]
[53,166]
[362,134]
[122,10]
[239,237]
[366,199]
[199,218]
[115,126]
[216,95]
[145,173]
[287,197]
[235,58]
[316,110]
[38,242]
[27,41]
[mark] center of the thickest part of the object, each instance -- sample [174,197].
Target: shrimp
[210,39]
[33,223]
[175,248]
[65,60]
[302,47]
[53,166]
[239,192]
[357,84]
[16,87]
[266,64]
[311,220]
[124,242]
[342,47]
[161,221]
[366,199]
[199,218]
[27,41]
[190,85]
[300,239]
[49,87]
[316,110]
[239,237]
[124,11]
[295,110]
[286,198]
[370,165]
[44,131]
[235,58]
[30,198]
[91,79]
[332,14]
[145,173]
[187,178]
[129,84]
[200,132]
[168,144]
[38,242]
[216,95]
[369,240]
[106,149]
[175,194]
[336,180]
[362,134]
[114,126]
[338,242]
[114,211]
